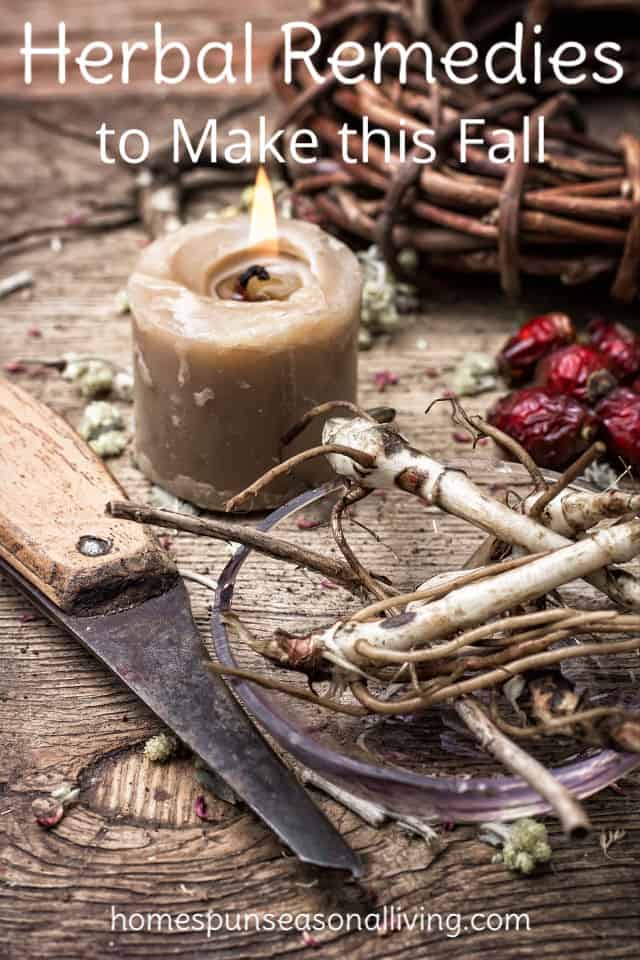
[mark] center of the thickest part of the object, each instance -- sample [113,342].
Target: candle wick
[256,270]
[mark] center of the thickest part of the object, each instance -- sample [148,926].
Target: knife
[108,583]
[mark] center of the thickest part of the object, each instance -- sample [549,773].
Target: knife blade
[108,583]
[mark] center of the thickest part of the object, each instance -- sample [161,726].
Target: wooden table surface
[133,842]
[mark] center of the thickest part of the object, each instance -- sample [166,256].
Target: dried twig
[572,473]
[237,533]
[270,684]
[570,812]
[359,457]
[351,496]
[320,411]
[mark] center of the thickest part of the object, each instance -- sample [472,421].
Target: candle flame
[264,226]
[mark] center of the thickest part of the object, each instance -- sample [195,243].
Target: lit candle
[238,330]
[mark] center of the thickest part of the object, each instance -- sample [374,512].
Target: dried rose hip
[579,371]
[553,428]
[534,340]
[619,415]
[619,345]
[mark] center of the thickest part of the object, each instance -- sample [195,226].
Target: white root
[574,511]
[398,465]
[375,814]
[570,811]
[478,602]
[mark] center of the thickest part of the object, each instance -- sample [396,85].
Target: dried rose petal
[303,523]
[76,218]
[14,366]
[539,336]
[619,415]
[619,345]
[553,428]
[578,371]
[383,379]
[47,811]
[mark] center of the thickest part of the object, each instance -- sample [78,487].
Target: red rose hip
[553,428]
[619,415]
[579,371]
[619,345]
[535,339]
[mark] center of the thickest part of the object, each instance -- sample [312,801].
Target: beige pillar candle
[218,380]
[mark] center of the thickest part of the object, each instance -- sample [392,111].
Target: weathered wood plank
[134,840]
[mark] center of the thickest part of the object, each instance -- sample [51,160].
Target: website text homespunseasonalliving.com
[386,920]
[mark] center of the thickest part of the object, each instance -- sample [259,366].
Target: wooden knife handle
[53,526]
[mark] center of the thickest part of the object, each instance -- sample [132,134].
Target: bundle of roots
[572,217]
[463,638]
[484,22]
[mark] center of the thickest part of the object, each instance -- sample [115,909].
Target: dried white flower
[525,843]
[383,297]
[601,474]
[160,748]
[100,417]
[103,427]
[92,377]
[123,386]
[109,444]
[476,373]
